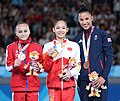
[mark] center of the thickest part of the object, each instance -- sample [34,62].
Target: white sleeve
[75,71]
[45,49]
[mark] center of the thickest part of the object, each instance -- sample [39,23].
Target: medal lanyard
[64,43]
[54,42]
[89,65]
[62,46]
[24,48]
[86,49]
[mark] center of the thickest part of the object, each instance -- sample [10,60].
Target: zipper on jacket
[26,76]
[26,83]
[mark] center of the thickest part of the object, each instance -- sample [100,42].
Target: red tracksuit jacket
[19,81]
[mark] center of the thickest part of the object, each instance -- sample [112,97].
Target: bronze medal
[86,65]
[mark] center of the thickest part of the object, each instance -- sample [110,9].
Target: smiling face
[22,31]
[60,29]
[85,19]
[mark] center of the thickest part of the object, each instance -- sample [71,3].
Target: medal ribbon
[24,48]
[89,66]
[62,46]
[86,49]
[54,42]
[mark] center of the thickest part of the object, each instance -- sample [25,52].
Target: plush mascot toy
[94,92]
[71,64]
[35,66]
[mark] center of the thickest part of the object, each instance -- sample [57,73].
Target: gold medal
[54,54]
[86,65]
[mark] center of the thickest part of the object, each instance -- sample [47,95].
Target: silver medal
[21,56]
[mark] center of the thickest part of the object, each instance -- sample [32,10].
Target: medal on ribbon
[55,52]
[86,64]
[21,56]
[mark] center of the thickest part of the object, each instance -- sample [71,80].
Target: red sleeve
[40,56]
[48,62]
[10,58]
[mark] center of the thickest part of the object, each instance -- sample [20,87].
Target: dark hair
[59,19]
[20,22]
[83,8]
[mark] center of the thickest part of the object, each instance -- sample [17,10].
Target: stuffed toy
[34,56]
[71,64]
[93,77]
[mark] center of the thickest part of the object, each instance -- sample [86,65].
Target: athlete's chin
[60,37]
[86,27]
[24,38]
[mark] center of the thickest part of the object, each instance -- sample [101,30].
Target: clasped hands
[17,62]
[97,84]
[65,75]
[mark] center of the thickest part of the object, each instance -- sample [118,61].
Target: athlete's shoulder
[75,44]
[12,45]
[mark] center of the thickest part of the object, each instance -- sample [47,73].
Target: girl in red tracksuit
[56,55]
[23,56]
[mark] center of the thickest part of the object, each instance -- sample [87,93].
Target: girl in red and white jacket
[23,59]
[56,55]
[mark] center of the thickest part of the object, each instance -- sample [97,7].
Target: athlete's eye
[86,18]
[20,31]
[63,27]
[81,19]
[25,31]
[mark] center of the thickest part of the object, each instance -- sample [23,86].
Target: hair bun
[82,5]
[84,8]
